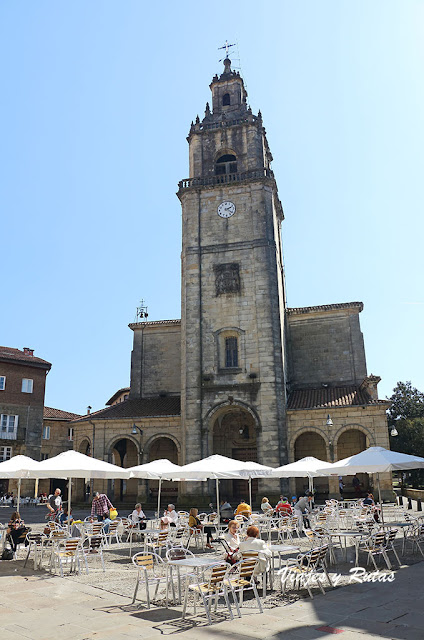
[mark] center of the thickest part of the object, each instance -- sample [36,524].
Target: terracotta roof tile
[58,414]
[326,307]
[138,408]
[9,353]
[328,397]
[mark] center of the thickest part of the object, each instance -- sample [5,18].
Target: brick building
[256,380]
[22,387]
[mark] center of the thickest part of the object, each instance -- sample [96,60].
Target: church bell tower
[233,300]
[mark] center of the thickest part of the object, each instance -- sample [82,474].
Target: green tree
[406,414]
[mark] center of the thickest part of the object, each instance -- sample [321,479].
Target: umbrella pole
[36,488]
[160,486]
[379,497]
[19,496]
[250,492]
[217,500]
[69,502]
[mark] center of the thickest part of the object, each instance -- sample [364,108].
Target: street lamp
[329,422]
[134,431]
[394,432]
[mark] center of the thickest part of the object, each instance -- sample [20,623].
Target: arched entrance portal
[350,443]
[310,443]
[163,448]
[124,454]
[234,436]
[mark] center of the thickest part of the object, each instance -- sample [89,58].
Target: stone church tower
[239,374]
[233,300]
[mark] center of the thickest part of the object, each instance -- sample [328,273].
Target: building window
[27,385]
[8,426]
[5,453]
[231,352]
[2,383]
[44,456]
[226,164]
[46,432]
[226,100]
[70,434]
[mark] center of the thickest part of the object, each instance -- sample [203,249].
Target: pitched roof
[328,397]
[153,323]
[9,353]
[326,307]
[138,408]
[57,414]
[116,395]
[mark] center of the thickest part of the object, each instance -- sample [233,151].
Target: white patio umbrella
[255,470]
[303,468]
[20,468]
[154,470]
[374,460]
[72,464]
[217,468]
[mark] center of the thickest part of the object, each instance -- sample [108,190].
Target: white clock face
[226,209]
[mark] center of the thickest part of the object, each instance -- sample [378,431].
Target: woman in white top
[254,543]
[137,516]
[170,517]
[266,507]
[232,539]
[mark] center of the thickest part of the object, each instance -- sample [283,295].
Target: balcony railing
[8,435]
[226,178]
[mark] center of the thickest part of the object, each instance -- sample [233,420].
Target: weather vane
[227,48]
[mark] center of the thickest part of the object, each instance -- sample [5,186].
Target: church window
[231,352]
[226,164]
[226,101]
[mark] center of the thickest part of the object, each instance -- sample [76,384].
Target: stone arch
[354,426]
[308,429]
[352,439]
[84,445]
[124,452]
[310,442]
[152,439]
[163,445]
[221,407]
[232,429]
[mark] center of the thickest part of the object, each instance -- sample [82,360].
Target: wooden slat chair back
[303,570]
[67,551]
[217,585]
[241,578]
[150,570]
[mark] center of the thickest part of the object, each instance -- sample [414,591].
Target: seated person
[293,501]
[16,531]
[226,511]
[243,509]
[232,539]
[369,500]
[195,525]
[170,517]
[63,518]
[283,507]
[138,517]
[266,507]
[254,543]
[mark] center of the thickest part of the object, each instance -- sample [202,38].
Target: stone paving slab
[37,606]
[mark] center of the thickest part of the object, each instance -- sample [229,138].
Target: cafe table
[278,550]
[194,562]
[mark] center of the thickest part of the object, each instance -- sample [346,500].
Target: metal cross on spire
[227,48]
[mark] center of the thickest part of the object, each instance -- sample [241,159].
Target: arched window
[226,100]
[231,352]
[226,164]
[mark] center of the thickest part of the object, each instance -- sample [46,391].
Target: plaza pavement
[35,605]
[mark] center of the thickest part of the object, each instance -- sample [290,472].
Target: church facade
[240,373]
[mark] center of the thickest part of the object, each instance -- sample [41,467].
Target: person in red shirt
[283,507]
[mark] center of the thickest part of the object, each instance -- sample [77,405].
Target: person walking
[302,505]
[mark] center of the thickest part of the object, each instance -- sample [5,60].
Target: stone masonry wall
[156,360]
[326,347]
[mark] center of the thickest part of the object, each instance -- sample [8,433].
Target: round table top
[195,562]
[346,534]
[282,547]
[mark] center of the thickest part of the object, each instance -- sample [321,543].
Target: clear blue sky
[97,99]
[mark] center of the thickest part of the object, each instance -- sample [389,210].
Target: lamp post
[329,423]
